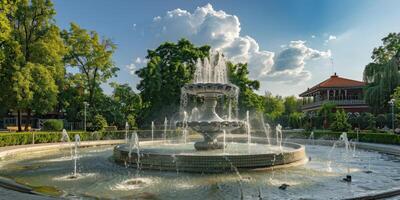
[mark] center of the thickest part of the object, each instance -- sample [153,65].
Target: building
[345,93]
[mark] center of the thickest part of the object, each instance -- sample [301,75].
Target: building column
[345,94]
[334,94]
[327,92]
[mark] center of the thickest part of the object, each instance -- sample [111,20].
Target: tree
[122,106]
[396,97]
[35,46]
[296,119]
[326,112]
[248,100]
[382,75]
[71,97]
[169,67]
[92,56]
[5,26]
[292,105]
[273,106]
[130,102]
[340,123]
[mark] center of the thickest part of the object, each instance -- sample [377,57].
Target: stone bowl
[217,89]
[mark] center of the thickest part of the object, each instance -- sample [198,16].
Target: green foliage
[33,55]
[396,97]
[248,99]
[92,56]
[99,123]
[382,76]
[368,121]
[169,67]
[296,119]
[340,123]
[21,138]
[292,105]
[53,125]
[327,113]
[273,106]
[381,120]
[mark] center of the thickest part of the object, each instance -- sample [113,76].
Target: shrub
[9,139]
[340,123]
[99,123]
[53,125]
[368,121]
[132,122]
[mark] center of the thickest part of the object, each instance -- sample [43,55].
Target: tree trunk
[19,121]
[28,120]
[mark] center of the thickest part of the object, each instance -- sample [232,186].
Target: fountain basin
[240,156]
[217,89]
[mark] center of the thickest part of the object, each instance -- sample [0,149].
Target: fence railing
[337,102]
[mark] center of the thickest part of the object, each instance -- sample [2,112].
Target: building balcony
[339,103]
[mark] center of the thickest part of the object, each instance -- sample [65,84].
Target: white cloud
[313,36]
[330,38]
[221,31]
[131,68]
[291,61]
[138,60]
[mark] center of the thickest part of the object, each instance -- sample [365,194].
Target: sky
[289,45]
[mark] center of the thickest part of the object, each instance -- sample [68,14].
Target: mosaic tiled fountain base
[179,157]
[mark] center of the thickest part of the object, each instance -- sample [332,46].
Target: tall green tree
[5,26]
[169,67]
[92,56]
[292,105]
[36,47]
[382,75]
[248,99]
[273,106]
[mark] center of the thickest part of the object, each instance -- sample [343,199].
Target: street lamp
[391,102]
[85,105]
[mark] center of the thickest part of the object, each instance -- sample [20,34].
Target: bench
[15,128]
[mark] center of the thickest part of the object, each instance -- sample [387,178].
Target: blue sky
[289,45]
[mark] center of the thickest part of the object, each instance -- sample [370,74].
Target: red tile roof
[335,82]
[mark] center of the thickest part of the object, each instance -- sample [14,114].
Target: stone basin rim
[299,147]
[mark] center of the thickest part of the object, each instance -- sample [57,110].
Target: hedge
[53,125]
[382,138]
[9,139]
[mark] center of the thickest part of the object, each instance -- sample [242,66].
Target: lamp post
[85,105]
[391,102]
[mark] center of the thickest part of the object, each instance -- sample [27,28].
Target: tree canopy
[382,75]
[92,56]
[169,67]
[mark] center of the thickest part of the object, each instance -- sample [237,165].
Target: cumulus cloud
[221,31]
[291,61]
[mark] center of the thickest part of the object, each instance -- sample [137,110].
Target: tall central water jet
[210,83]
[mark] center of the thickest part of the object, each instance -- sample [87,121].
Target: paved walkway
[6,194]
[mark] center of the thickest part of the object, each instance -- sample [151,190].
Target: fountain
[65,139]
[77,143]
[152,131]
[212,154]
[250,166]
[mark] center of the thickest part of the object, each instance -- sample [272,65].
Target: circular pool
[100,177]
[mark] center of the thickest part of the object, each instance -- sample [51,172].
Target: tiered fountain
[210,155]
[210,83]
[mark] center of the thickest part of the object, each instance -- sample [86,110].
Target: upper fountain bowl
[205,89]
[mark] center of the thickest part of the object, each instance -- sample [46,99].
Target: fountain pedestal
[210,125]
